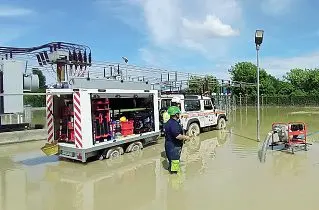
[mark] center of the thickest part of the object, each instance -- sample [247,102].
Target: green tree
[37,100]
[247,72]
[304,81]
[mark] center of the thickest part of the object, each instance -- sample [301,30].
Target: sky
[202,36]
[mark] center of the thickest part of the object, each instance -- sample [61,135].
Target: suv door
[210,117]
[193,108]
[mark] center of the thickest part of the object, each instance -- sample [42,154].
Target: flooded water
[220,170]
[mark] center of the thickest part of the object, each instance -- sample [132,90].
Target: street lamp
[125,60]
[259,35]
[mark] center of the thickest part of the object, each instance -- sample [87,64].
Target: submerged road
[220,171]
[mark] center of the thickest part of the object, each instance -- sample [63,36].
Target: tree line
[296,82]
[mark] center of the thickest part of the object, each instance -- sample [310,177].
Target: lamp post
[125,60]
[259,35]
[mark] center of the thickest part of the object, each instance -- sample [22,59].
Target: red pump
[292,135]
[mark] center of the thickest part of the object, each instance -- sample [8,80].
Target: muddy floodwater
[220,170]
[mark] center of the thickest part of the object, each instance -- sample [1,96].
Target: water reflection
[196,158]
[13,189]
[219,170]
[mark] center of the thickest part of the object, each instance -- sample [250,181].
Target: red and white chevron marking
[50,123]
[77,120]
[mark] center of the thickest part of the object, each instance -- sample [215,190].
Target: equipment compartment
[60,118]
[138,111]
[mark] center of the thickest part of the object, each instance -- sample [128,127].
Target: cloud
[211,27]
[195,25]
[278,66]
[11,11]
[204,26]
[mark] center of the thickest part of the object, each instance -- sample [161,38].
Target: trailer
[102,123]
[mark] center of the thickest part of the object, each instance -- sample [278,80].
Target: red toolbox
[127,128]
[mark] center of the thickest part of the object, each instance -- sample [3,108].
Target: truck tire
[221,124]
[193,129]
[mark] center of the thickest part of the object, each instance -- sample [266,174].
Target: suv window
[165,103]
[208,105]
[192,105]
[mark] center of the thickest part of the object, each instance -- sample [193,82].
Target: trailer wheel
[221,124]
[114,152]
[135,146]
[193,129]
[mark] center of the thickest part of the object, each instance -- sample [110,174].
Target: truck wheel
[221,124]
[193,129]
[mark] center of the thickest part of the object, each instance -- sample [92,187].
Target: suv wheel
[193,129]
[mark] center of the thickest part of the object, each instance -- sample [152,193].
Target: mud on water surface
[221,170]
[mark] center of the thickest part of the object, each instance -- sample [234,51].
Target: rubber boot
[175,166]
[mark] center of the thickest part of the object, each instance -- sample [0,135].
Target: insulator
[80,57]
[43,58]
[46,56]
[54,47]
[38,58]
[59,45]
[70,56]
[85,59]
[90,59]
[75,56]
[51,49]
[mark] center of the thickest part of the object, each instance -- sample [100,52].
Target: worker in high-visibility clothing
[174,102]
[165,117]
[174,139]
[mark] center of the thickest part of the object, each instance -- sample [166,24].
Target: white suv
[197,112]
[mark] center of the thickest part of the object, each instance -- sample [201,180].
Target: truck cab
[197,112]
